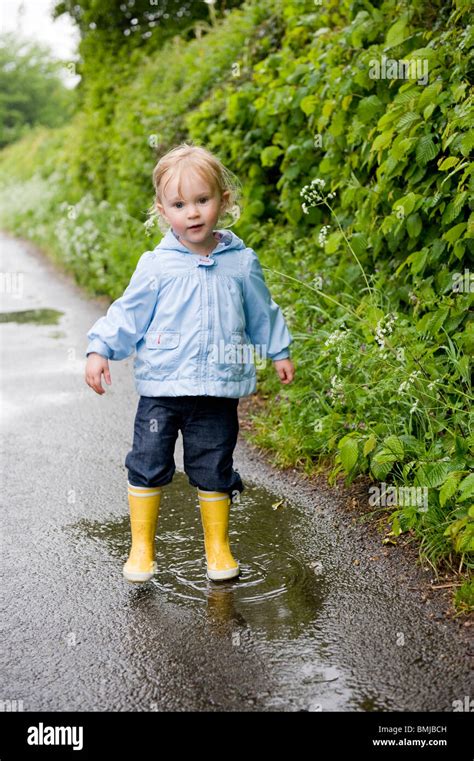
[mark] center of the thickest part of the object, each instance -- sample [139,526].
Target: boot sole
[131,576]
[228,573]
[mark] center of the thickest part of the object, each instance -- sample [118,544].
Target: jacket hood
[228,241]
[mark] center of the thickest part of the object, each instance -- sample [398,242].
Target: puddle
[273,574]
[40,316]
[271,609]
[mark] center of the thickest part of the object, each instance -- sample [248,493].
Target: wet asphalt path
[304,628]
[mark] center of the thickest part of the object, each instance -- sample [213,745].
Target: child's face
[193,215]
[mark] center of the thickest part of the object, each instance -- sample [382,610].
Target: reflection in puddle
[41,316]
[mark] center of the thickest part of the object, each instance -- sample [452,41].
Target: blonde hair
[187,156]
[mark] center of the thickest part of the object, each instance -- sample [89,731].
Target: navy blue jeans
[210,427]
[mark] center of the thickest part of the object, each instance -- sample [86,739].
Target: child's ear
[160,209]
[225,197]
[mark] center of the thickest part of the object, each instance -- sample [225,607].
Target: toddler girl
[194,308]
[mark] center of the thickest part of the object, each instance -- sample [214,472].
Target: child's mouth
[196,227]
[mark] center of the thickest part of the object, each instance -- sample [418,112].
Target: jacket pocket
[162,354]
[162,339]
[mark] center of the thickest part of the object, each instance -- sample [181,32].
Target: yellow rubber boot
[144,505]
[215,508]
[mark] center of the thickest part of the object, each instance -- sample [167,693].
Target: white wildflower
[409,381]
[379,335]
[381,332]
[335,337]
[323,234]
[336,390]
[312,193]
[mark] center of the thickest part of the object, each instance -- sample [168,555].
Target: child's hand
[285,369]
[95,366]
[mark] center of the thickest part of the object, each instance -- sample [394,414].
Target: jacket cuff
[283,354]
[99,347]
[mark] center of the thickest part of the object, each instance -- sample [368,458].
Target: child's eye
[179,204]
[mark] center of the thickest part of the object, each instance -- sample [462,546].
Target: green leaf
[449,488]
[270,154]
[428,111]
[402,147]
[407,121]
[349,452]
[333,241]
[395,445]
[406,98]
[466,488]
[397,33]
[384,455]
[369,444]
[455,232]
[425,150]
[467,143]
[407,203]
[465,540]
[359,243]
[455,527]
[417,260]
[448,163]
[429,94]
[382,141]
[453,208]
[431,322]
[308,104]
[432,474]
[380,470]
[396,527]
[414,225]
[368,108]
[373,315]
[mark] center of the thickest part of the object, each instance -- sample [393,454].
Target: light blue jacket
[193,320]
